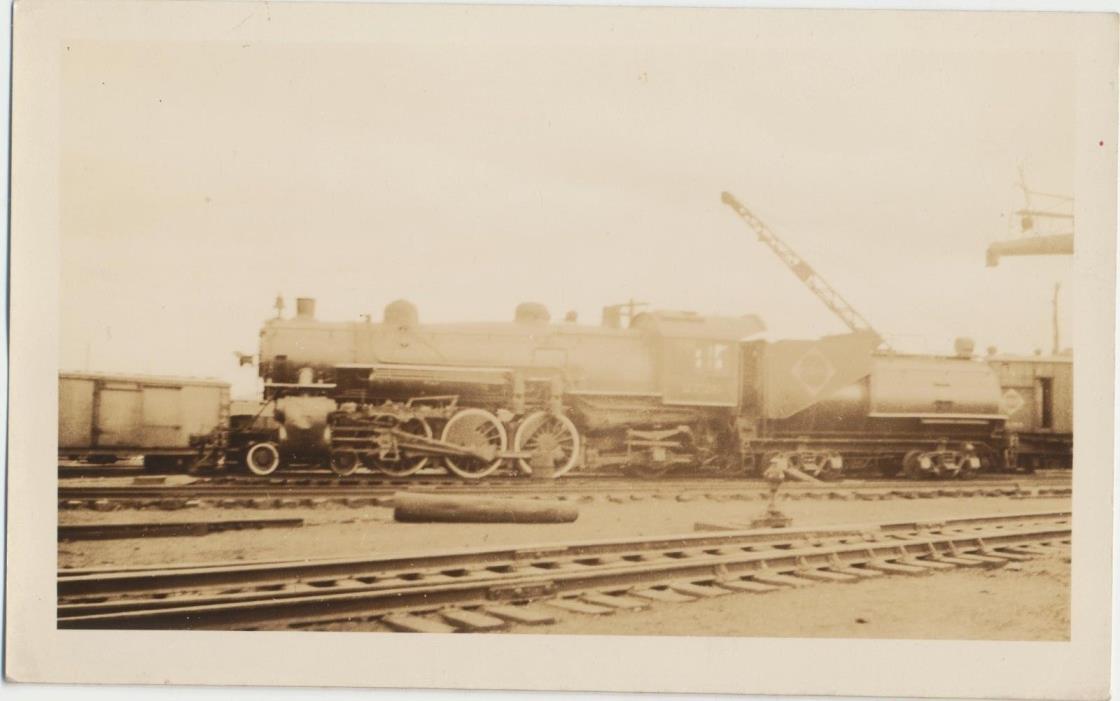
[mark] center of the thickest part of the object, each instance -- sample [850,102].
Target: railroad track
[436,475]
[280,492]
[488,589]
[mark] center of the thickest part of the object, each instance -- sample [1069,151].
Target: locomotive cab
[699,355]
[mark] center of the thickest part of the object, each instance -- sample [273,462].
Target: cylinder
[304,420]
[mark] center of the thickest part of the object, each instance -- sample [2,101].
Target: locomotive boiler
[538,394]
[665,389]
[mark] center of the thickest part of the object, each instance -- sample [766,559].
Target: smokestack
[305,308]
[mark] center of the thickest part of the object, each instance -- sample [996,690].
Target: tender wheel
[910,465]
[811,468]
[551,434]
[406,465]
[262,458]
[948,469]
[344,462]
[477,429]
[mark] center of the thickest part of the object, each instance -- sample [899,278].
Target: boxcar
[103,417]
[1038,401]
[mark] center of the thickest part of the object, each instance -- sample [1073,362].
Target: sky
[474,164]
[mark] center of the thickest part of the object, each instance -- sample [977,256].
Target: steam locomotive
[643,392]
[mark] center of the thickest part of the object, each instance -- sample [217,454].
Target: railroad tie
[856,572]
[822,575]
[526,615]
[663,595]
[957,560]
[577,606]
[747,585]
[982,559]
[348,583]
[1030,551]
[1036,549]
[605,559]
[472,621]
[781,579]
[617,601]
[1055,545]
[408,623]
[1017,557]
[698,591]
[712,526]
[894,567]
[301,587]
[928,564]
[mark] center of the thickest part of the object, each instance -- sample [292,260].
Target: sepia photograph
[564,327]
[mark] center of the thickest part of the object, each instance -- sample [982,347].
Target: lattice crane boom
[816,284]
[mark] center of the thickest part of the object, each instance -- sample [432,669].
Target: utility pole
[1057,343]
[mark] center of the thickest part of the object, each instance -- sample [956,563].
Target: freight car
[668,389]
[1037,396]
[105,417]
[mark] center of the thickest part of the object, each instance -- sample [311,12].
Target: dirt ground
[1030,601]
[332,530]
[1027,601]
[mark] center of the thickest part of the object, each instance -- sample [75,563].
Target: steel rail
[325,478]
[609,481]
[562,488]
[519,575]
